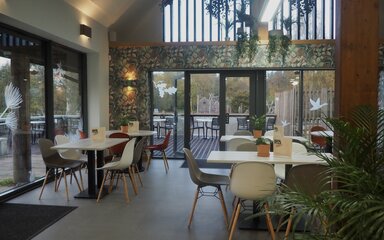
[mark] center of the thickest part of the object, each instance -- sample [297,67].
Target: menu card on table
[281,145]
[98,134]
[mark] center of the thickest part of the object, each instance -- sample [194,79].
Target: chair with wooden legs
[71,154]
[54,162]
[309,179]
[202,180]
[117,150]
[252,181]
[139,147]
[160,147]
[117,170]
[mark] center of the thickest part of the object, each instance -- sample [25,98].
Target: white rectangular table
[244,156]
[226,138]
[91,146]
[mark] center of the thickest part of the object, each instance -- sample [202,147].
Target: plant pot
[124,129]
[263,150]
[257,133]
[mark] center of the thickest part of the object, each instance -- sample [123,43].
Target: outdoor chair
[242,123]
[54,163]
[202,180]
[214,126]
[196,126]
[117,169]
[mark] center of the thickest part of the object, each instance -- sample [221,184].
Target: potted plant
[258,124]
[353,208]
[278,43]
[263,147]
[124,123]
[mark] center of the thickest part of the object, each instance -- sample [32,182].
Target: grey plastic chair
[310,179]
[53,161]
[137,154]
[202,180]
[234,142]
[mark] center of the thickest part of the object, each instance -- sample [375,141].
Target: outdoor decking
[201,147]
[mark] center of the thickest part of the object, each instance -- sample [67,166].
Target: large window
[204,20]
[222,20]
[50,102]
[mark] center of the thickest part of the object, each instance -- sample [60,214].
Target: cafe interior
[192,80]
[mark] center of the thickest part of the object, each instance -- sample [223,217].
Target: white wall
[55,20]
[142,22]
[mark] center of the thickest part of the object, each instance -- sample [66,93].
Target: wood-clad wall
[357,57]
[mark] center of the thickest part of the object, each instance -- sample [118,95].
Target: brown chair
[117,150]
[160,147]
[202,180]
[54,162]
[318,141]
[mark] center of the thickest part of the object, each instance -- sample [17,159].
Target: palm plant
[354,208]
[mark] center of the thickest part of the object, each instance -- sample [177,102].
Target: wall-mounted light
[130,94]
[131,73]
[269,10]
[85,30]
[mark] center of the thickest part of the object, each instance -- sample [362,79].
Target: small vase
[257,133]
[124,129]
[263,150]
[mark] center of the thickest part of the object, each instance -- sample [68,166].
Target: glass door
[168,111]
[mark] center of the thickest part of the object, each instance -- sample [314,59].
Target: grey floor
[159,211]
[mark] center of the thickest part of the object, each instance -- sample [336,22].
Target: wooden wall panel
[357,44]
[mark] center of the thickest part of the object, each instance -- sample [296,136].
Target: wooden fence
[287,108]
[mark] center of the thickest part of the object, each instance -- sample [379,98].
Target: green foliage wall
[204,56]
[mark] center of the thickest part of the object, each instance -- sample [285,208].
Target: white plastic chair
[252,181]
[70,154]
[234,142]
[116,169]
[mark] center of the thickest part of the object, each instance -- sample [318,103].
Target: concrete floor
[160,211]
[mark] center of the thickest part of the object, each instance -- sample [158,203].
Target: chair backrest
[169,121]
[298,148]
[242,133]
[127,156]
[49,155]
[82,134]
[234,142]
[138,150]
[269,133]
[215,121]
[319,140]
[248,146]
[252,180]
[69,153]
[119,148]
[310,179]
[194,170]
[165,143]
[271,120]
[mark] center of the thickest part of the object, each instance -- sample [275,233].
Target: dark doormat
[24,221]
[204,164]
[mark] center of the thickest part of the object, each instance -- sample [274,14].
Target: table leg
[90,193]
[100,163]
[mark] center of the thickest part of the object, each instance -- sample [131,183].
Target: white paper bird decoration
[316,105]
[285,123]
